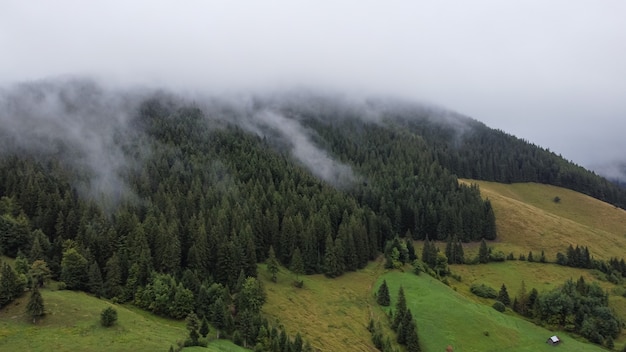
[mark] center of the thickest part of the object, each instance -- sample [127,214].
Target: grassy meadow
[528,219]
[332,314]
[445,317]
[72,323]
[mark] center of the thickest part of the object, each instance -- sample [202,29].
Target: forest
[208,190]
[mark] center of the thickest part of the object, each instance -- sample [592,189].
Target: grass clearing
[528,219]
[332,314]
[72,323]
[445,317]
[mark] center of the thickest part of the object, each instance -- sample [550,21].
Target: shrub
[499,306]
[498,256]
[108,317]
[484,291]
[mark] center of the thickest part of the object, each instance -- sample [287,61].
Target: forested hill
[143,183]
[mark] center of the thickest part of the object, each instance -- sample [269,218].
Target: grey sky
[552,72]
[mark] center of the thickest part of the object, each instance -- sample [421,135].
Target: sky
[550,72]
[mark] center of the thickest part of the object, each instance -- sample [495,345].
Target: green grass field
[72,324]
[445,317]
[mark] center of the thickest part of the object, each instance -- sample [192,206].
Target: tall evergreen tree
[11,286]
[272,264]
[401,309]
[483,252]
[95,284]
[382,296]
[204,327]
[503,296]
[35,306]
[193,325]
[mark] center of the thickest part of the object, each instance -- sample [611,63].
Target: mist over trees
[197,193]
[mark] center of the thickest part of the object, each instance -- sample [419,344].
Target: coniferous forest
[176,209]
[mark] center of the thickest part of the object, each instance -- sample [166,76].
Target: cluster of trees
[472,150]
[402,322]
[579,307]
[399,252]
[579,257]
[575,306]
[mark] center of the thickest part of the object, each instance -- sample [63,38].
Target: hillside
[444,317]
[528,219]
[170,203]
[72,323]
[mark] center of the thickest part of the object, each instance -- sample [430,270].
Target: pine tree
[459,253]
[113,281]
[95,284]
[412,340]
[204,328]
[483,252]
[331,260]
[192,326]
[297,265]
[503,296]
[11,286]
[382,296]
[108,317]
[35,306]
[405,327]
[272,264]
[401,309]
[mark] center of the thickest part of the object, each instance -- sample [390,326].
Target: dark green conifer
[401,309]
[503,296]
[382,296]
[35,306]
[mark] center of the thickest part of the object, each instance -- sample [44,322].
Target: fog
[549,72]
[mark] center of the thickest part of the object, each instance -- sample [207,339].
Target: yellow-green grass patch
[528,219]
[332,314]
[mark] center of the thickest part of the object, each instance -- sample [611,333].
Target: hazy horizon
[548,72]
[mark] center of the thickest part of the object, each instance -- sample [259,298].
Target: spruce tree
[412,340]
[297,266]
[272,264]
[405,327]
[382,296]
[108,316]
[192,326]
[331,260]
[401,309]
[503,296]
[11,286]
[483,252]
[204,327]
[95,284]
[35,307]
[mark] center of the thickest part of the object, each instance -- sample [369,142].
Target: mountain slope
[528,219]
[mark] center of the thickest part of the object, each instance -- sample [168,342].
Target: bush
[484,291]
[108,317]
[499,306]
[498,256]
